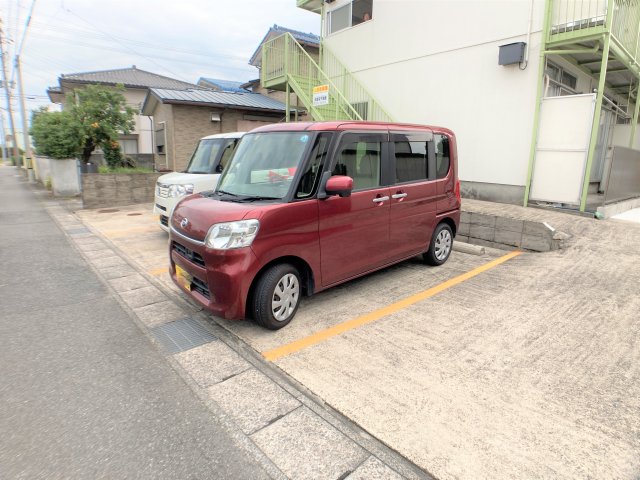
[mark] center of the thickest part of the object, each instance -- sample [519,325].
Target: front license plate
[184,279]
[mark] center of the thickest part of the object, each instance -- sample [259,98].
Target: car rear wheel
[440,246]
[277,296]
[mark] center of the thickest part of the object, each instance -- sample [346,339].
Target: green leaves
[95,117]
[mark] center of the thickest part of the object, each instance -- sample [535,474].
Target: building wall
[191,123]
[436,63]
[164,113]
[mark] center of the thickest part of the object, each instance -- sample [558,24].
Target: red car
[302,207]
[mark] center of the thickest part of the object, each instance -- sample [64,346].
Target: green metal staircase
[287,66]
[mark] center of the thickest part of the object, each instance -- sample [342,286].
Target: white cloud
[186,40]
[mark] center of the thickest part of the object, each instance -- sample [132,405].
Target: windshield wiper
[253,199]
[224,192]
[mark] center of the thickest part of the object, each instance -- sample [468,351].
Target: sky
[185,39]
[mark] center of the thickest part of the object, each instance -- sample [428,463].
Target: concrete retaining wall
[114,189]
[65,178]
[43,167]
[510,233]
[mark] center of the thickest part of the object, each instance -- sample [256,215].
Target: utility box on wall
[511,53]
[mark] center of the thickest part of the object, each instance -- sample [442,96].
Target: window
[443,158]
[560,81]
[309,180]
[227,153]
[359,158]
[412,162]
[353,13]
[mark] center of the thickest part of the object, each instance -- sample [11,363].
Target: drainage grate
[133,214]
[182,335]
[109,210]
[78,231]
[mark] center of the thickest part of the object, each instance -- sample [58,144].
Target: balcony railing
[575,19]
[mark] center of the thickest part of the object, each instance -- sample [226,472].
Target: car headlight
[224,236]
[180,190]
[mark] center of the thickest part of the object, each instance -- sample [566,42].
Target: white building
[529,130]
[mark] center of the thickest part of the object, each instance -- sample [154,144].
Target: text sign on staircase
[321,95]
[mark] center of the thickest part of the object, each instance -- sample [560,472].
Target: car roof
[224,135]
[344,125]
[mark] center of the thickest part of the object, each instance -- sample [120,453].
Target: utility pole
[7,89]
[23,110]
[5,152]
[25,127]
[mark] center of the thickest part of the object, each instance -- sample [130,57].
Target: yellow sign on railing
[320,95]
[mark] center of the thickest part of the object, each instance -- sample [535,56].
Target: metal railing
[577,18]
[285,60]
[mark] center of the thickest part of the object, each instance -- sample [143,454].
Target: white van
[207,163]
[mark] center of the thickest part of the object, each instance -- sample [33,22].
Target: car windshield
[205,157]
[264,165]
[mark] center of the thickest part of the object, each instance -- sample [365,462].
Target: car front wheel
[440,246]
[277,296]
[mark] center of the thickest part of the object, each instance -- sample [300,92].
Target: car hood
[202,212]
[200,181]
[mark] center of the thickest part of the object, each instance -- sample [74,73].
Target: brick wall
[114,189]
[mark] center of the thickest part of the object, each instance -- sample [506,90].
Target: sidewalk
[283,427]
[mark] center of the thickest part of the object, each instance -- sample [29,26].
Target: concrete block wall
[508,233]
[116,189]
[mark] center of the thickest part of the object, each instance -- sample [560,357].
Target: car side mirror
[339,185]
[219,169]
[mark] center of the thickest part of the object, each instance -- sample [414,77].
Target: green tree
[102,114]
[55,134]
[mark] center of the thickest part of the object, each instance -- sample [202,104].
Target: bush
[55,134]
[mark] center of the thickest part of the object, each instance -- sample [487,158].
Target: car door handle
[380,199]
[398,195]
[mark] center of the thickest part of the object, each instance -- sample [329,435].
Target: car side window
[228,153]
[412,161]
[443,158]
[359,157]
[311,176]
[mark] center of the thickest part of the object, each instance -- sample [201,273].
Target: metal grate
[182,335]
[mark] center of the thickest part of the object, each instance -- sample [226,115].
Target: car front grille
[164,209]
[164,220]
[163,190]
[193,257]
[200,287]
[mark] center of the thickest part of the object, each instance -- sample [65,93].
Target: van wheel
[276,297]
[440,246]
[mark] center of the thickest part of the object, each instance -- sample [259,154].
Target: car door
[354,230]
[413,194]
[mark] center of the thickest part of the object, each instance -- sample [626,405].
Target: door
[354,231]
[413,195]
[562,147]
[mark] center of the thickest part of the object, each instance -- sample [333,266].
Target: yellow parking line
[158,271]
[323,335]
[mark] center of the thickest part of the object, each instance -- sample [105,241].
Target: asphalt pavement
[83,392]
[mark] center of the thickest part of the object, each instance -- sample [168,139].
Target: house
[137,82]
[182,117]
[542,94]
[221,85]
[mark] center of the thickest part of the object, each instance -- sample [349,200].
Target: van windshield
[264,165]
[205,158]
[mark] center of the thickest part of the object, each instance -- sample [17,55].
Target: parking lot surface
[516,366]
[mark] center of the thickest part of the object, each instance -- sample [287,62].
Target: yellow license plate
[183,277]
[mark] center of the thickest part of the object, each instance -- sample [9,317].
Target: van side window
[309,179]
[359,158]
[443,159]
[411,161]
[228,153]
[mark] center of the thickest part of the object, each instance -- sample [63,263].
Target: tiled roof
[130,77]
[224,85]
[304,38]
[242,101]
